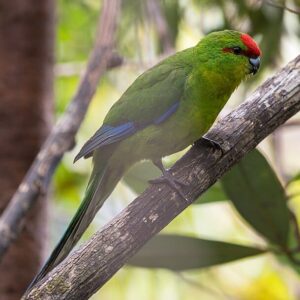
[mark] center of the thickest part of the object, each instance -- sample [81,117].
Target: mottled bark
[26,61]
[90,267]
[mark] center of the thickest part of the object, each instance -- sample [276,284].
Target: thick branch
[61,138]
[89,268]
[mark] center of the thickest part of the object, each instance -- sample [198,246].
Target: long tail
[102,182]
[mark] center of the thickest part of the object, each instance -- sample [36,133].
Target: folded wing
[150,100]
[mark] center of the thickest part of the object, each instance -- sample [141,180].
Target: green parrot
[166,109]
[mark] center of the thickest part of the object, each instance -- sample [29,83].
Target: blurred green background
[147,32]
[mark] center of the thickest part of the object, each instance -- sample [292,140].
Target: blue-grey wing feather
[107,134]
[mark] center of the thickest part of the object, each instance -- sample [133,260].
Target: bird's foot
[173,183]
[211,143]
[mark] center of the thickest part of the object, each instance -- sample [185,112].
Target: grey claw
[173,183]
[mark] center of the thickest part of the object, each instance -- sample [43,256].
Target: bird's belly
[172,136]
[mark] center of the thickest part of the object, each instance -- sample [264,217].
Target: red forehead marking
[250,44]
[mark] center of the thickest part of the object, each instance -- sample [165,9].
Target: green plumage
[165,110]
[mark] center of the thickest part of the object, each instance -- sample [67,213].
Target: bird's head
[232,53]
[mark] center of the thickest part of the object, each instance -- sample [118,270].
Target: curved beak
[255,63]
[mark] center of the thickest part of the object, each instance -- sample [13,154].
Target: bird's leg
[168,178]
[211,143]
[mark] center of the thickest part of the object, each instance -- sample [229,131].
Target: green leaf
[214,194]
[180,253]
[257,194]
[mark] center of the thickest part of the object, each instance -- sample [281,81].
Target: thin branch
[282,6]
[77,68]
[93,264]
[61,139]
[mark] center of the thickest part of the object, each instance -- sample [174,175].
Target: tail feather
[99,188]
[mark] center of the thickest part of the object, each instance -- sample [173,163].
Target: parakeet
[166,109]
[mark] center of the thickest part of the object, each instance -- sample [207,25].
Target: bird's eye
[237,50]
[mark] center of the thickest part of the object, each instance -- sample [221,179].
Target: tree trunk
[26,61]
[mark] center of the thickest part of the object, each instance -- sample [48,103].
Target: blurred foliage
[253,186]
[64,91]
[181,253]
[76,28]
